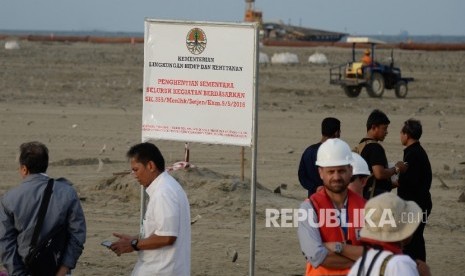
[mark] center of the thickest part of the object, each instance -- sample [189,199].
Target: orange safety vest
[355,203]
[366,60]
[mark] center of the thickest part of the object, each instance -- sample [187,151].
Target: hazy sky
[417,17]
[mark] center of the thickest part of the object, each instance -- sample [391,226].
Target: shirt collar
[153,186]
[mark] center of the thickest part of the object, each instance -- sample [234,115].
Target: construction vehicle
[375,77]
[280,34]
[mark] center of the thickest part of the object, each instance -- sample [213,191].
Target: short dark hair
[329,127]
[34,155]
[146,152]
[413,128]
[376,118]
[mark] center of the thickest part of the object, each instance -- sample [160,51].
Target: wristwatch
[134,243]
[338,247]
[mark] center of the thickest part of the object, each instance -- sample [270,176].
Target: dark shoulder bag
[44,259]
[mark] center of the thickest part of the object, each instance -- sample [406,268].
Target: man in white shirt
[165,244]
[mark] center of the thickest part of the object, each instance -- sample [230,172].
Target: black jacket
[415,183]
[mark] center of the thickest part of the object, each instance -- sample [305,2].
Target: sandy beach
[84,101]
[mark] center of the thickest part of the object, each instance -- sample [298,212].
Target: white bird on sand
[194,220]
[100,165]
[103,148]
[232,253]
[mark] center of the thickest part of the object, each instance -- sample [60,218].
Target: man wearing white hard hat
[329,235]
[360,174]
[389,223]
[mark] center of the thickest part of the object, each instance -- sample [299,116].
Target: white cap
[334,152]
[359,165]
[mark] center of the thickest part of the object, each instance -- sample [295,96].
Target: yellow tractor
[375,77]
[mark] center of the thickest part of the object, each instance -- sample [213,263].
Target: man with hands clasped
[329,236]
[374,154]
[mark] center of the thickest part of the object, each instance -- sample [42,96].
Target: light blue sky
[417,17]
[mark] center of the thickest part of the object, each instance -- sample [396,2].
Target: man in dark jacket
[415,183]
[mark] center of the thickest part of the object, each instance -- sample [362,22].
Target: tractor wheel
[375,86]
[401,89]
[352,91]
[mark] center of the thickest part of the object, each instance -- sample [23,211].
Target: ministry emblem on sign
[196,41]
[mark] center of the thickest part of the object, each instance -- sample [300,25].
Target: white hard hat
[334,152]
[359,165]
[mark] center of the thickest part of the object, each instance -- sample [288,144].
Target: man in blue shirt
[308,172]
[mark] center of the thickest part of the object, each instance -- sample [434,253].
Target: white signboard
[199,81]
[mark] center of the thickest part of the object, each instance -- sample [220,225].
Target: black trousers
[416,247]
